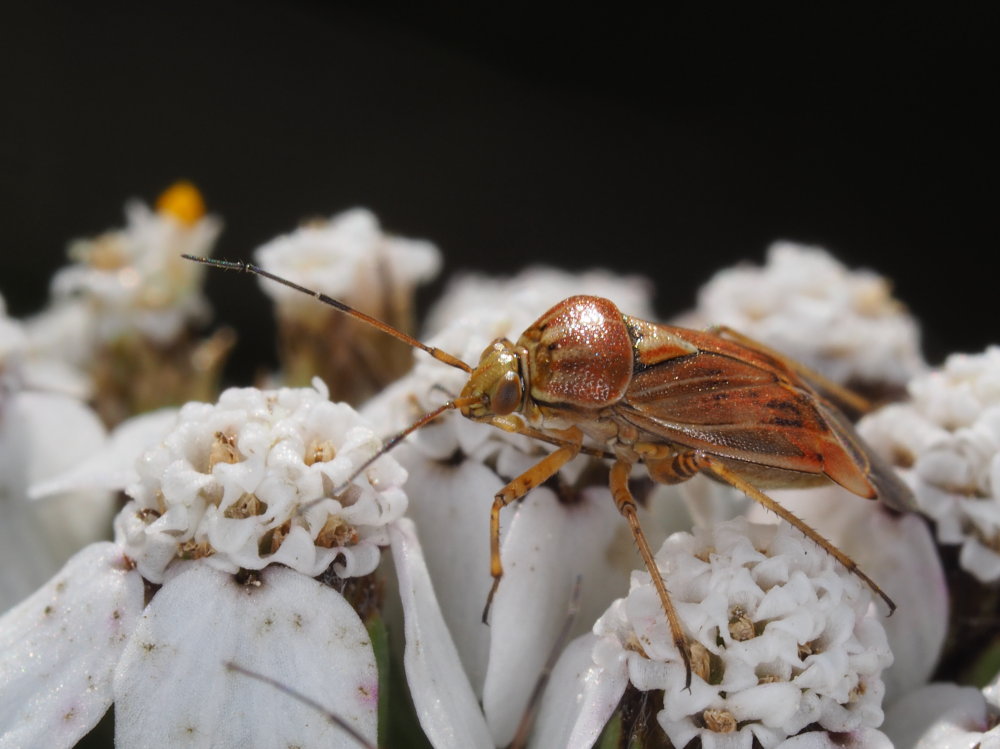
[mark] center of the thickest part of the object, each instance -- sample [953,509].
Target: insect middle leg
[625,503]
[538,474]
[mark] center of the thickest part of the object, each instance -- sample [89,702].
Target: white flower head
[254,482]
[134,279]
[351,259]
[947,441]
[781,638]
[804,303]
[896,550]
[348,257]
[250,481]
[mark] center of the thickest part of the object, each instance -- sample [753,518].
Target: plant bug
[589,379]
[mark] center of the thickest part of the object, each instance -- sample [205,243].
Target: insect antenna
[295,694]
[243,267]
[395,439]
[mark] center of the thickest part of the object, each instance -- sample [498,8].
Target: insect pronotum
[589,379]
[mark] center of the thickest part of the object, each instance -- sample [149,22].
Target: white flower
[347,257]
[781,638]
[134,279]
[352,260]
[804,303]
[247,482]
[244,484]
[947,441]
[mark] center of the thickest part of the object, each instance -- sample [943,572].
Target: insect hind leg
[714,467]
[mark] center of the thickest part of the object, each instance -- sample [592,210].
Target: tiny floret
[260,478]
[780,636]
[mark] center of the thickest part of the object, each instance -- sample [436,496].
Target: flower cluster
[262,483]
[120,326]
[946,440]
[782,638]
[250,481]
[134,279]
[350,258]
[809,306]
[253,522]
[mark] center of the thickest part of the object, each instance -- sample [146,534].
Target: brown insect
[592,380]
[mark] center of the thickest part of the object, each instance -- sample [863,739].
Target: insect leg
[517,488]
[559,438]
[710,465]
[625,503]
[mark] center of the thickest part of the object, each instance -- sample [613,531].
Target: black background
[671,143]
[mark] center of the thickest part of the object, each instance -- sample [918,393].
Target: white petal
[58,650]
[992,693]
[172,687]
[113,466]
[581,696]
[56,430]
[938,716]
[444,700]
[26,561]
[546,545]
[451,507]
[41,433]
[909,570]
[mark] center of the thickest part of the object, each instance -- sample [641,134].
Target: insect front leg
[538,474]
[713,466]
[625,503]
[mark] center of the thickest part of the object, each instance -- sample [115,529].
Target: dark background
[671,144]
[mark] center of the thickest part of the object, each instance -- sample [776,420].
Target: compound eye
[507,397]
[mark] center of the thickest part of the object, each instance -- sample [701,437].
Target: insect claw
[489,601]
[686,657]
[892,606]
